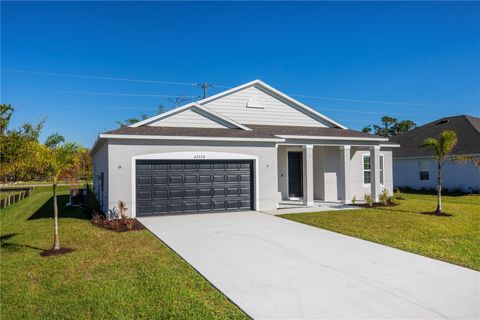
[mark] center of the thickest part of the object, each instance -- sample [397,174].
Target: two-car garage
[165,187]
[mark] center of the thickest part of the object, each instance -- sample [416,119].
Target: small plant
[113,219]
[398,194]
[96,217]
[129,222]
[122,208]
[368,199]
[392,200]
[384,197]
[354,200]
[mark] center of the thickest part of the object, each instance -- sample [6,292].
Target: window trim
[382,170]
[420,162]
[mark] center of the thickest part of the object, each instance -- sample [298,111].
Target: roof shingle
[466,127]
[258,131]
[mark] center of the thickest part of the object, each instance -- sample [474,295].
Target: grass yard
[129,275]
[453,239]
[5,193]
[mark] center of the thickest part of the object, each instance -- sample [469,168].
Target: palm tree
[441,147]
[54,159]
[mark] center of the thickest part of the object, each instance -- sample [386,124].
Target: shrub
[354,199]
[384,197]
[392,200]
[113,220]
[96,217]
[122,208]
[368,199]
[129,222]
[398,194]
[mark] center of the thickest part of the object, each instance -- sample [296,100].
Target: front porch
[328,175]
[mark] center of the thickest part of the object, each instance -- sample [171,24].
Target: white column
[308,175]
[375,172]
[345,181]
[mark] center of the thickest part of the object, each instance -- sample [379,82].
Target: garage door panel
[160,194]
[160,180]
[183,186]
[144,195]
[144,180]
[190,193]
[191,178]
[175,193]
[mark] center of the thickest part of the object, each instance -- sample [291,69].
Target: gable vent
[255,103]
[443,121]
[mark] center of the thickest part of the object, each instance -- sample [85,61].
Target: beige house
[248,148]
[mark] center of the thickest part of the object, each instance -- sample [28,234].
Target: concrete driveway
[274,268]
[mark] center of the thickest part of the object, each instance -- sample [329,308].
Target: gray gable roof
[258,131]
[466,127]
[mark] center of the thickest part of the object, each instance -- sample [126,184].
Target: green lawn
[6,193]
[110,275]
[453,239]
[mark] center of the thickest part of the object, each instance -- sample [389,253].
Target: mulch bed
[121,227]
[51,252]
[438,214]
[375,205]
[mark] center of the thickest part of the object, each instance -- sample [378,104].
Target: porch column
[345,165]
[375,172]
[308,175]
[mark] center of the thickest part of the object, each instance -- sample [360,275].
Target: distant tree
[54,140]
[130,121]
[403,126]
[367,129]
[441,147]
[179,100]
[390,127]
[467,159]
[6,112]
[31,132]
[161,108]
[13,143]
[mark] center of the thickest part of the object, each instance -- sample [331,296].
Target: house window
[423,170]
[381,169]
[367,169]
[367,172]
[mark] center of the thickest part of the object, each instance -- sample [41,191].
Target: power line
[376,112]
[71,75]
[383,102]
[107,93]
[193,97]
[205,85]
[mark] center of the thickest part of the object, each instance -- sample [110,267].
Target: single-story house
[247,148]
[415,167]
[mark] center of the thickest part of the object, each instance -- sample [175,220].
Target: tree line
[23,156]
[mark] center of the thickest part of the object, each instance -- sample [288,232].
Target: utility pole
[204,86]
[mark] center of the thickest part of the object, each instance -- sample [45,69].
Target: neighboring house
[247,148]
[416,168]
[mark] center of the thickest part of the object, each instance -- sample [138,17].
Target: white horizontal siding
[275,112]
[188,119]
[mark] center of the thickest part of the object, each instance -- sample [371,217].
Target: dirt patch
[438,214]
[119,226]
[51,252]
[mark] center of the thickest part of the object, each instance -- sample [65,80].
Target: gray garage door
[191,186]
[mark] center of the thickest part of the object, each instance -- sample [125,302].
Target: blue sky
[424,54]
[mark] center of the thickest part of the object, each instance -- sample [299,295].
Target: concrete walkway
[274,268]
